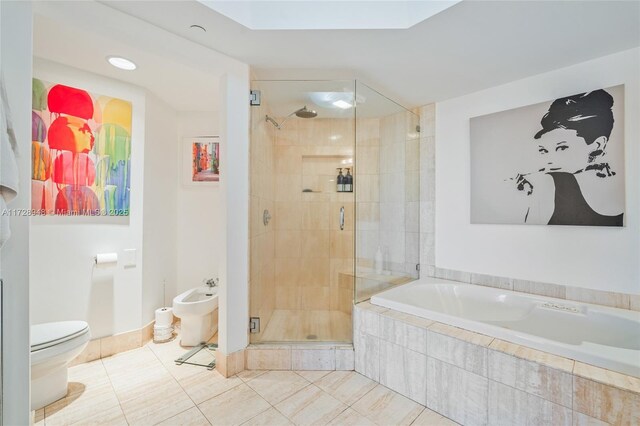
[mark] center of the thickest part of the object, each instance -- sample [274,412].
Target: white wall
[234,189]
[198,216]
[65,284]
[591,257]
[159,247]
[15,57]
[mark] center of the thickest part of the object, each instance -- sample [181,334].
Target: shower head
[303,112]
[306,113]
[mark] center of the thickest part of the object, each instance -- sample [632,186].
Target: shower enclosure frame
[284,147]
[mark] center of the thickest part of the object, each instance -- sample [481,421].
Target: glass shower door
[302,218]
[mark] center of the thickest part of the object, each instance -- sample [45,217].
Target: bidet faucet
[211,282]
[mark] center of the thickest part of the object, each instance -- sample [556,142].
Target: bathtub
[594,334]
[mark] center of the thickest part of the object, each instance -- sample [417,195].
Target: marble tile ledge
[576,294]
[304,356]
[567,365]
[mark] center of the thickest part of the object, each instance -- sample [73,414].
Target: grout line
[366,393]
[114,390]
[177,382]
[177,414]
[414,420]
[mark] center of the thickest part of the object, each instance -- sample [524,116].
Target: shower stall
[334,206]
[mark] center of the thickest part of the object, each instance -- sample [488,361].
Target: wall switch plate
[129,258]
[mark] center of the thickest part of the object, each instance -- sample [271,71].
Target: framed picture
[80,151]
[201,161]
[559,162]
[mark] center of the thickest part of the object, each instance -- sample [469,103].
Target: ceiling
[327,15]
[468,47]
[185,75]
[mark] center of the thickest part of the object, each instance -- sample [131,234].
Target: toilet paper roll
[106,258]
[164,317]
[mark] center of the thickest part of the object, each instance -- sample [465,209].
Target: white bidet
[197,310]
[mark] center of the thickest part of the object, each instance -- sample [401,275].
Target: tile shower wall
[427,188]
[367,190]
[262,270]
[477,380]
[399,193]
[310,248]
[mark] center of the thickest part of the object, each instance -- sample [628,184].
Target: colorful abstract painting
[81,152]
[205,160]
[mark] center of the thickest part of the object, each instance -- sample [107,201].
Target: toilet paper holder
[105,258]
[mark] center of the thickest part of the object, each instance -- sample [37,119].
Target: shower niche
[317,255]
[323,173]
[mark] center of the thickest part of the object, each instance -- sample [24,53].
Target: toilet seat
[53,340]
[54,333]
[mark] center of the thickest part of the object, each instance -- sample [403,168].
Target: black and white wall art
[554,163]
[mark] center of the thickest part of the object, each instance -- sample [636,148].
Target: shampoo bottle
[348,182]
[340,181]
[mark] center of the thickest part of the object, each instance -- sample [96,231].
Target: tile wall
[111,345]
[310,248]
[427,188]
[400,193]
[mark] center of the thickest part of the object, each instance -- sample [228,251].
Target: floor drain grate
[312,337]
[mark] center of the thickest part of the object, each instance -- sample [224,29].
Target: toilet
[198,312]
[53,346]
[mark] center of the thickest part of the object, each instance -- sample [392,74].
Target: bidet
[197,310]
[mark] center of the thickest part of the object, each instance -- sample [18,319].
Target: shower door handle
[342,218]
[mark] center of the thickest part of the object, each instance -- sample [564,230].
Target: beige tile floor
[297,325]
[145,387]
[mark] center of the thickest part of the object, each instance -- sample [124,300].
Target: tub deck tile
[509,406]
[471,357]
[492,281]
[544,358]
[599,297]
[456,393]
[607,377]
[580,419]
[398,330]
[366,318]
[540,288]
[368,306]
[541,381]
[605,403]
[367,355]
[404,371]
[408,318]
[461,334]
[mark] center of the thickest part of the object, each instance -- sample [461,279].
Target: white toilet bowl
[53,346]
[197,310]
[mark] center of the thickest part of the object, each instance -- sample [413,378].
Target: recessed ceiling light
[342,104]
[122,63]
[198,27]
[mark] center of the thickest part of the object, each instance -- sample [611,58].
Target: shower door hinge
[418,128]
[418,267]
[254,325]
[254,98]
